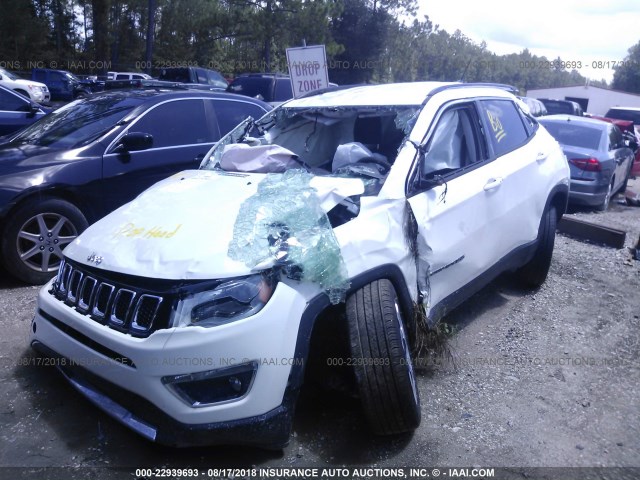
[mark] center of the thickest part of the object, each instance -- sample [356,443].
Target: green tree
[363,33]
[627,74]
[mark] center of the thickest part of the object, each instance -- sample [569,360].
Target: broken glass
[212,159]
[283,224]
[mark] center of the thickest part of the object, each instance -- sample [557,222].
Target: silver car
[598,157]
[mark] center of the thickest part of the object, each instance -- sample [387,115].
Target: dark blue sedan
[598,157]
[91,156]
[17,111]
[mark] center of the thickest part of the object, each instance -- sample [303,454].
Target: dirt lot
[540,379]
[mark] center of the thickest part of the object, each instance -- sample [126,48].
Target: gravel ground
[538,379]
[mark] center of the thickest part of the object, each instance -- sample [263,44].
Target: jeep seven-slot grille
[115,302]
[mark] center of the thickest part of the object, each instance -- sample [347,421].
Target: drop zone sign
[308,69]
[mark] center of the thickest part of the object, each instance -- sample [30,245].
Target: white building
[596,100]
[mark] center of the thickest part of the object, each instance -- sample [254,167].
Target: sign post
[308,69]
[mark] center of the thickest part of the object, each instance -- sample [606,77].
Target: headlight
[229,301]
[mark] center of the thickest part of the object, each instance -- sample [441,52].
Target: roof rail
[143,84]
[502,86]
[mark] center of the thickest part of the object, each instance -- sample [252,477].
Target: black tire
[35,235]
[534,273]
[607,199]
[381,358]
[81,94]
[623,188]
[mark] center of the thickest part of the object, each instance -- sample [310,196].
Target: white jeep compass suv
[187,314]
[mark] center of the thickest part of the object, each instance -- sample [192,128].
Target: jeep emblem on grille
[93,258]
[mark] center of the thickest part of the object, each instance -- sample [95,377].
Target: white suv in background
[36,91]
[130,76]
[188,313]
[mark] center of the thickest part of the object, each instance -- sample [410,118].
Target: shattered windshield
[362,141]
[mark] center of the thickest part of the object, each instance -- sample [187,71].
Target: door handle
[492,183]
[541,157]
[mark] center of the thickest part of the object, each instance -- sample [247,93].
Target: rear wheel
[381,358]
[605,202]
[623,188]
[35,236]
[535,272]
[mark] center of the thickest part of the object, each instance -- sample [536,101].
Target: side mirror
[33,109]
[134,141]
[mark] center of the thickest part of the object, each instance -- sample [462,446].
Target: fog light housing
[212,387]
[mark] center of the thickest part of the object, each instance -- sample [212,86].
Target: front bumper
[124,375]
[270,430]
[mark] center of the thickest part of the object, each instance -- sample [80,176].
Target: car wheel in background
[623,188]
[381,359]
[534,273]
[605,203]
[35,235]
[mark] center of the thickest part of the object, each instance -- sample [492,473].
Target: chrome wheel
[41,239]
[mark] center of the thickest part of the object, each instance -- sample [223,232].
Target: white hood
[181,227]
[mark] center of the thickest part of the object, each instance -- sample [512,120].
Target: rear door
[521,163]
[182,133]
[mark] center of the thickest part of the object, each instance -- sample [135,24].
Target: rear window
[256,87]
[283,90]
[554,107]
[175,75]
[621,114]
[575,135]
[216,79]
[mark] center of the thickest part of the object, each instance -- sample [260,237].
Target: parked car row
[85,159]
[36,91]
[61,85]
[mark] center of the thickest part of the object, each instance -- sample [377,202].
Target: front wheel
[381,359]
[35,236]
[535,272]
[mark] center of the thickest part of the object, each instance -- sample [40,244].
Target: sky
[596,33]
